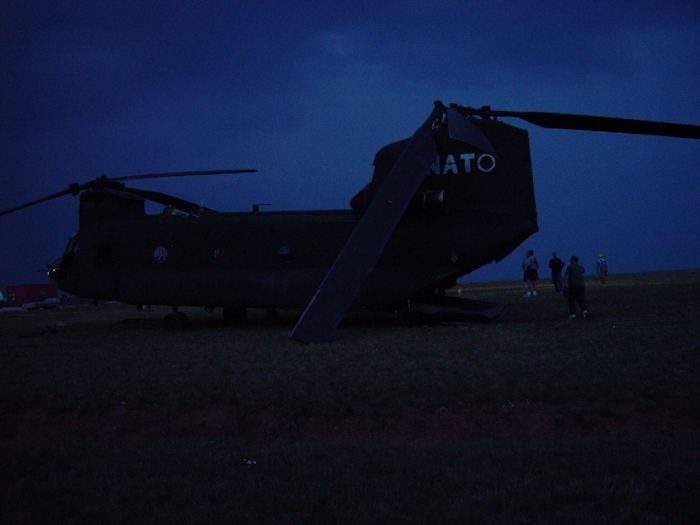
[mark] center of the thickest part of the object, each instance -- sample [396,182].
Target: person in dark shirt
[575,288]
[556,265]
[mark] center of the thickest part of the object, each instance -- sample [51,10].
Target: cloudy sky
[306,93]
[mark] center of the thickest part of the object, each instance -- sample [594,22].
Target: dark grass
[637,356]
[486,481]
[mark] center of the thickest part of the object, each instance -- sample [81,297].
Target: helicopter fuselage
[270,259]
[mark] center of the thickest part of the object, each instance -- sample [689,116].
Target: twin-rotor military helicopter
[454,197]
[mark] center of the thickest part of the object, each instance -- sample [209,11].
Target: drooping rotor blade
[73,188]
[592,123]
[115,183]
[460,128]
[167,200]
[366,243]
[180,174]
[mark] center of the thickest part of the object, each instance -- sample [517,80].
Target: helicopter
[455,196]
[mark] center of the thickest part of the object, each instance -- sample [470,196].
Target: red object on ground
[30,293]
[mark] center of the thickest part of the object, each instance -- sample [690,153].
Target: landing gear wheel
[235,314]
[184,320]
[175,321]
[406,317]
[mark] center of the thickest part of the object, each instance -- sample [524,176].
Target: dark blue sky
[307,93]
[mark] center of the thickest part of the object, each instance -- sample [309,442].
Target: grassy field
[535,418]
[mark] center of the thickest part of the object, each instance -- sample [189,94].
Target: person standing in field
[575,288]
[601,268]
[556,265]
[530,267]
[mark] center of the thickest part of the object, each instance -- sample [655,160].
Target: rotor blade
[591,123]
[366,243]
[108,182]
[180,174]
[461,128]
[167,200]
[72,189]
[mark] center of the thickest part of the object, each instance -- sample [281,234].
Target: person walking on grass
[530,267]
[575,288]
